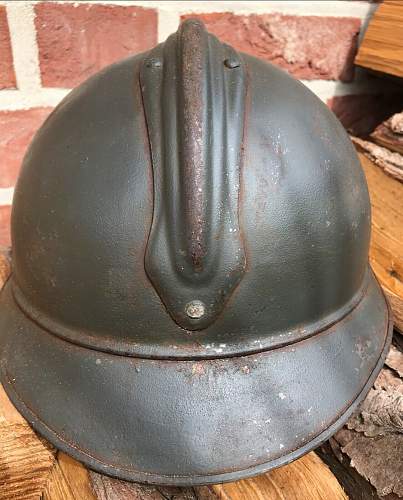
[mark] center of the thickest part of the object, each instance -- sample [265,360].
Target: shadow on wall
[360,114]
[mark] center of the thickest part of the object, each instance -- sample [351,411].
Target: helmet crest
[194,103]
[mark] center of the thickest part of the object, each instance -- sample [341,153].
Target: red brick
[16,131]
[5,213]
[308,47]
[360,114]
[7,76]
[75,41]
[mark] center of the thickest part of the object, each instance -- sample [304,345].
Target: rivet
[232,63]
[153,63]
[195,309]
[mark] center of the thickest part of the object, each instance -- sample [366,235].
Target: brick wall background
[46,48]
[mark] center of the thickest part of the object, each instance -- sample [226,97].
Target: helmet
[191,300]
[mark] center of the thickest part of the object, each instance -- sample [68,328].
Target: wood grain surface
[389,134]
[386,251]
[382,46]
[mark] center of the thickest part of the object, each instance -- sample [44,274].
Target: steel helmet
[191,300]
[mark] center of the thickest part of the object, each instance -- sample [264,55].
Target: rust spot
[198,369]
[193,44]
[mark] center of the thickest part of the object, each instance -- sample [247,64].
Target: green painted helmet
[191,300]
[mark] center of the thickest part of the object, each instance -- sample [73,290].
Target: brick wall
[46,48]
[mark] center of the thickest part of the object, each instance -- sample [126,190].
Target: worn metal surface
[126,364]
[192,422]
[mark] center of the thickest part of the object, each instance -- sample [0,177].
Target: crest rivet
[232,63]
[153,63]
[195,309]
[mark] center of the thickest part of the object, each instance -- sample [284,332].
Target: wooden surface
[382,45]
[25,460]
[386,251]
[390,133]
[298,480]
[31,469]
[390,162]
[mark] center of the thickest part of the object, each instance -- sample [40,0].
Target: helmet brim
[184,422]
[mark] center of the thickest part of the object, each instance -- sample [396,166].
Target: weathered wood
[107,488]
[381,413]
[390,133]
[306,478]
[386,251]
[5,266]
[367,455]
[382,46]
[382,410]
[394,360]
[25,460]
[355,485]
[372,440]
[391,163]
[8,413]
[76,476]
[57,487]
[378,459]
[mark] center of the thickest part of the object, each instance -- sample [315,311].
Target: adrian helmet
[191,300]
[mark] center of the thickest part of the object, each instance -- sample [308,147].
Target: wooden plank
[390,162]
[8,412]
[356,487]
[382,45]
[305,479]
[77,476]
[108,488]
[390,133]
[386,250]
[57,487]
[25,460]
